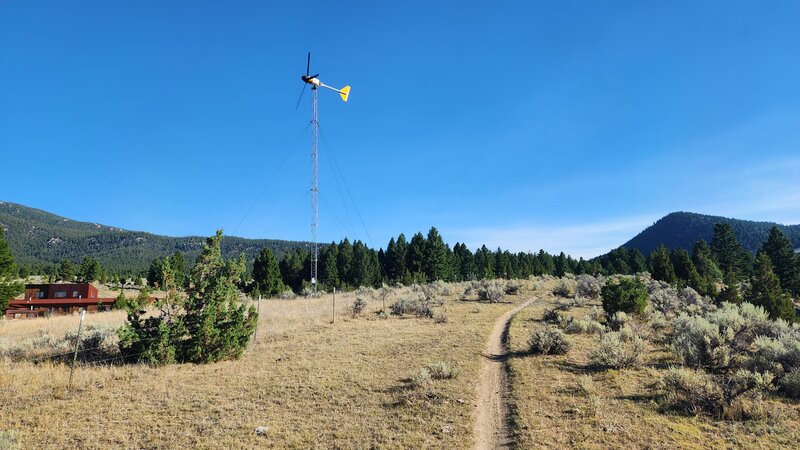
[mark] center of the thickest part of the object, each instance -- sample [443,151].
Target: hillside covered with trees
[684,229]
[39,239]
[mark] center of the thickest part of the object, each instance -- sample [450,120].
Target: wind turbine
[344,92]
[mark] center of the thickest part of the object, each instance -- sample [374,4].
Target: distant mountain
[39,237]
[684,229]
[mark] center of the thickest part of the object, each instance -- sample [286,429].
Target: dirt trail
[492,428]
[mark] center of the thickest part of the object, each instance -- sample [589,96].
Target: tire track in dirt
[492,427]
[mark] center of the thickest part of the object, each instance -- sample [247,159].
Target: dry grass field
[551,411]
[312,383]
[315,384]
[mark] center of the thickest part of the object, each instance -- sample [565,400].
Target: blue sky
[557,125]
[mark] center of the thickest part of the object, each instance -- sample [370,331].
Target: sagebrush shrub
[549,341]
[564,288]
[440,318]
[790,384]
[585,388]
[702,344]
[421,378]
[287,295]
[358,306]
[627,294]
[441,371]
[615,352]
[584,326]
[735,334]
[552,316]
[490,291]
[512,288]
[736,396]
[588,286]
[691,391]
[618,320]
[418,307]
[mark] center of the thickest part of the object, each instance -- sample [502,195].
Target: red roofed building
[59,298]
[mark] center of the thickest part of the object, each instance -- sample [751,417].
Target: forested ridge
[39,239]
[684,229]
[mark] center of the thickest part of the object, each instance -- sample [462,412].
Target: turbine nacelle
[315,83]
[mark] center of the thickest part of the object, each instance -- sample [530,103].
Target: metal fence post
[333,318]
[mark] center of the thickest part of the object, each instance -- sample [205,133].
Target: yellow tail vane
[344,92]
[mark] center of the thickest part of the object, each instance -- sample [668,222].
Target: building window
[74,294]
[60,294]
[40,294]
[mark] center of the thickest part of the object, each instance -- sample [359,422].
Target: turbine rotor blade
[308,64]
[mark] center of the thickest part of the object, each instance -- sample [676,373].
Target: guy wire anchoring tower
[344,93]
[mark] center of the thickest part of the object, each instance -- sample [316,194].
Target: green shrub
[626,294]
[211,326]
[549,341]
[613,351]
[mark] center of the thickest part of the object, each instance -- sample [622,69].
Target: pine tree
[398,259]
[66,271]
[266,274]
[561,265]
[344,262]
[728,252]
[636,261]
[415,257]
[484,263]
[730,293]
[178,265]
[465,261]
[89,270]
[685,270]
[703,260]
[121,302]
[155,273]
[785,262]
[293,267]
[365,266]
[330,271]
[393,272]
[661,266]
[617,262]
[8,287]
[212,326]
[765,291]
[547,263]
[435,256]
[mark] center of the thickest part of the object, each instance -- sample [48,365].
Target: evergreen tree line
[723,270]
[424,258]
